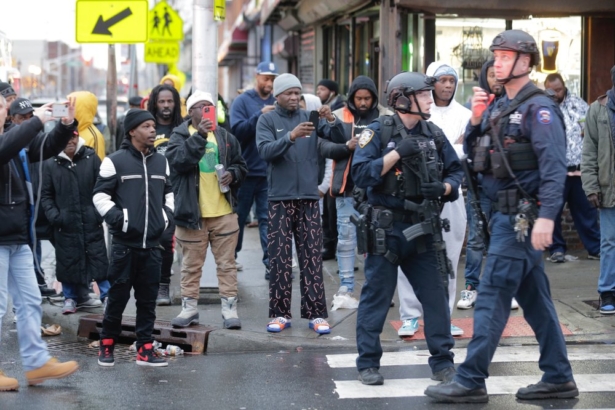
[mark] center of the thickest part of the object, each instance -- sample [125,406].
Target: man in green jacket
[598,176]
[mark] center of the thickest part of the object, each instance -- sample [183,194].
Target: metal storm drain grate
[58,347]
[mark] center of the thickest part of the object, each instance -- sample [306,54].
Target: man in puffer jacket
[133,194]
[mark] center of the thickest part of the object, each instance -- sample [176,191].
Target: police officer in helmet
[404,162]
[519,146]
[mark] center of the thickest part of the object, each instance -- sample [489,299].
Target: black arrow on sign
[102,26]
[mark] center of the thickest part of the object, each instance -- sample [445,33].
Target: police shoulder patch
[365,137]
[544,115]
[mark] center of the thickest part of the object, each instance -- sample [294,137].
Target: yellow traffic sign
[219,10]
[162,52]
[112,21]
[165,23]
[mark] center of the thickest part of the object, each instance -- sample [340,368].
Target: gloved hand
[595,200]
[408,147]
[433,190]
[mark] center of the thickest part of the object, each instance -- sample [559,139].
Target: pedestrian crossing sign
[165,23]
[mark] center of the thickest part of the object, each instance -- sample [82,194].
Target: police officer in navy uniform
[525,121]
[377,166]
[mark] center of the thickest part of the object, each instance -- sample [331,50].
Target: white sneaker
[456,331]
[408,327]
[468,299]
[514,304]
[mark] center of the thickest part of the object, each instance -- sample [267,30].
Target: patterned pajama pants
[300,218]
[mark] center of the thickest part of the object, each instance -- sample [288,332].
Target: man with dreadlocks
[165,105]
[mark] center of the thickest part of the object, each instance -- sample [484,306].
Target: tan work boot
[53,369]
[8,383]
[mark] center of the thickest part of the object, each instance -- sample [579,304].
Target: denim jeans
[475,245]
[253,190]
[346,240]
[138,269]
[80,292]
[17,277]
[606,281]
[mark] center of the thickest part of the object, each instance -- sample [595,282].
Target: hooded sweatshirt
[177,84]
[85,110]
[482,79]
[453,120]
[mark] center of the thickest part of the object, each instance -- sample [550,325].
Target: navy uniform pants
[379,288]
[513,269]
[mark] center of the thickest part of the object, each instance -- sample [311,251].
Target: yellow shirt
[212,202]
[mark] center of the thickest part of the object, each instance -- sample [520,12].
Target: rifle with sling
[479,217]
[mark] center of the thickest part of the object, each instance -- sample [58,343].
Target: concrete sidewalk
[572,284]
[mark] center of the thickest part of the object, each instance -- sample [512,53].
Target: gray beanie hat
[284,82]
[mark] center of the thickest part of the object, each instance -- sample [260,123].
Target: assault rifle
[428,213]
[478,216]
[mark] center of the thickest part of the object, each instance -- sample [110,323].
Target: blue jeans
[17,277]
[346,240]
[606,281]
[513,269]
[584,215]
[379,288]
[475,245]
[253,190]
[80,293]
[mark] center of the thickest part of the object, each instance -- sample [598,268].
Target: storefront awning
[311,11]
[235,46]
[511,9]
[267,8]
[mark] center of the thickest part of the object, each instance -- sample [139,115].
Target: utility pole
[111,96]
[205,78]
[205,48]
[133,89]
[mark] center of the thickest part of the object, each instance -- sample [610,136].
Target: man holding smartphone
[203,214]
[245,112]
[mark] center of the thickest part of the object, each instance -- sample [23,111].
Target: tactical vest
[404,179]
[517,150]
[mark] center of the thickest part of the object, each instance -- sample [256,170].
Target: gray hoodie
[292,167]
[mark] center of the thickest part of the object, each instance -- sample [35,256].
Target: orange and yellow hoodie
[85,110]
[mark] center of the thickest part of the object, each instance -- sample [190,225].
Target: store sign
[111,21]
[162,52]
[165,23]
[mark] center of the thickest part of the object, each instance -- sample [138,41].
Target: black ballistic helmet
[404,85]
[518,41]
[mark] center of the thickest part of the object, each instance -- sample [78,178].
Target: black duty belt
[400,216]
[574,168]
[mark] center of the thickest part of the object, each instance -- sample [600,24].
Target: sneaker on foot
[371,377]
[456,331]
[105,352]
[408,327]
[45,291]
[147,357]
[53,369]
[593,257]
[69,307]
[163,298]
[343,290]
[607,303]
[514,304]
[267,274]
[8,383]
[238,266]
[558,257]
[90,303]
[467,300]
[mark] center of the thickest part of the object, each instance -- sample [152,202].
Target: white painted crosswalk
[496,385]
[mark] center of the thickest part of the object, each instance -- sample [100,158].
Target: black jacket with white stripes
[133,194]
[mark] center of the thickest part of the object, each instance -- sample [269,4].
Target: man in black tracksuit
[133,194]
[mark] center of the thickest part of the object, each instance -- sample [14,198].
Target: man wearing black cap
[9,95]
[328,92]
[133,194]
[133,102]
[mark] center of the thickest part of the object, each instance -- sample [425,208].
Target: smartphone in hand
[209,112]
[314,118]
[59,110]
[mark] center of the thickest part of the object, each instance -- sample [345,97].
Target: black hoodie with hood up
[341,131]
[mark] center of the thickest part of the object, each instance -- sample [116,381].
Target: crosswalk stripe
[354,389]
[502,354]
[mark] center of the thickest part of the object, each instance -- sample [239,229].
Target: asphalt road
[276,380]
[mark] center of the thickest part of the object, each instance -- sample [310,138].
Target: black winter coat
[81,254]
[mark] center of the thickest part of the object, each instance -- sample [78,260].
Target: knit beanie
[331,85]
[285,82]
[6,90]
[134,118]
